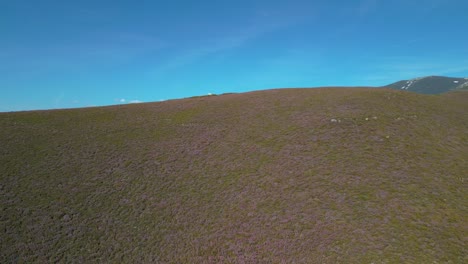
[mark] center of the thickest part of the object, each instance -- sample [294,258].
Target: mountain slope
[431,84]
[290,175]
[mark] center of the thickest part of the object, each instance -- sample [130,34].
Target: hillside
[330,175]
[431,84]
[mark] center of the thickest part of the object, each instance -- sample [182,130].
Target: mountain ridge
[423,85]
[430,84]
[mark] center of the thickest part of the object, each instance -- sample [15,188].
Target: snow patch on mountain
[431,84]
[463,85]
[411,82]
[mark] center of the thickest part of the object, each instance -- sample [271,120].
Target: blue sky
[64,54]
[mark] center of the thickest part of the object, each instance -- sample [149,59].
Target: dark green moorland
[332,175]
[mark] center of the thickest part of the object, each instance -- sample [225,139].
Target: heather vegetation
[331,175]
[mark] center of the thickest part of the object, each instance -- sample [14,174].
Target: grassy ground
[279,176]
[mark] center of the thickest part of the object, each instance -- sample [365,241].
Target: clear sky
[63,54]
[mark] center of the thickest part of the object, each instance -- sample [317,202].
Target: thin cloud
[424,68]
[402,68]
[366,6]
[227,43]
[194,55]
[125,101]
[93,49]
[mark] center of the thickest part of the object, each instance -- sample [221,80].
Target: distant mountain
[430,84]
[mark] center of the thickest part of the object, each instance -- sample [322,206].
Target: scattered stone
[66,217]
[124,201]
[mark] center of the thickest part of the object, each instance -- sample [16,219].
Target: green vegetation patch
[281,176]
